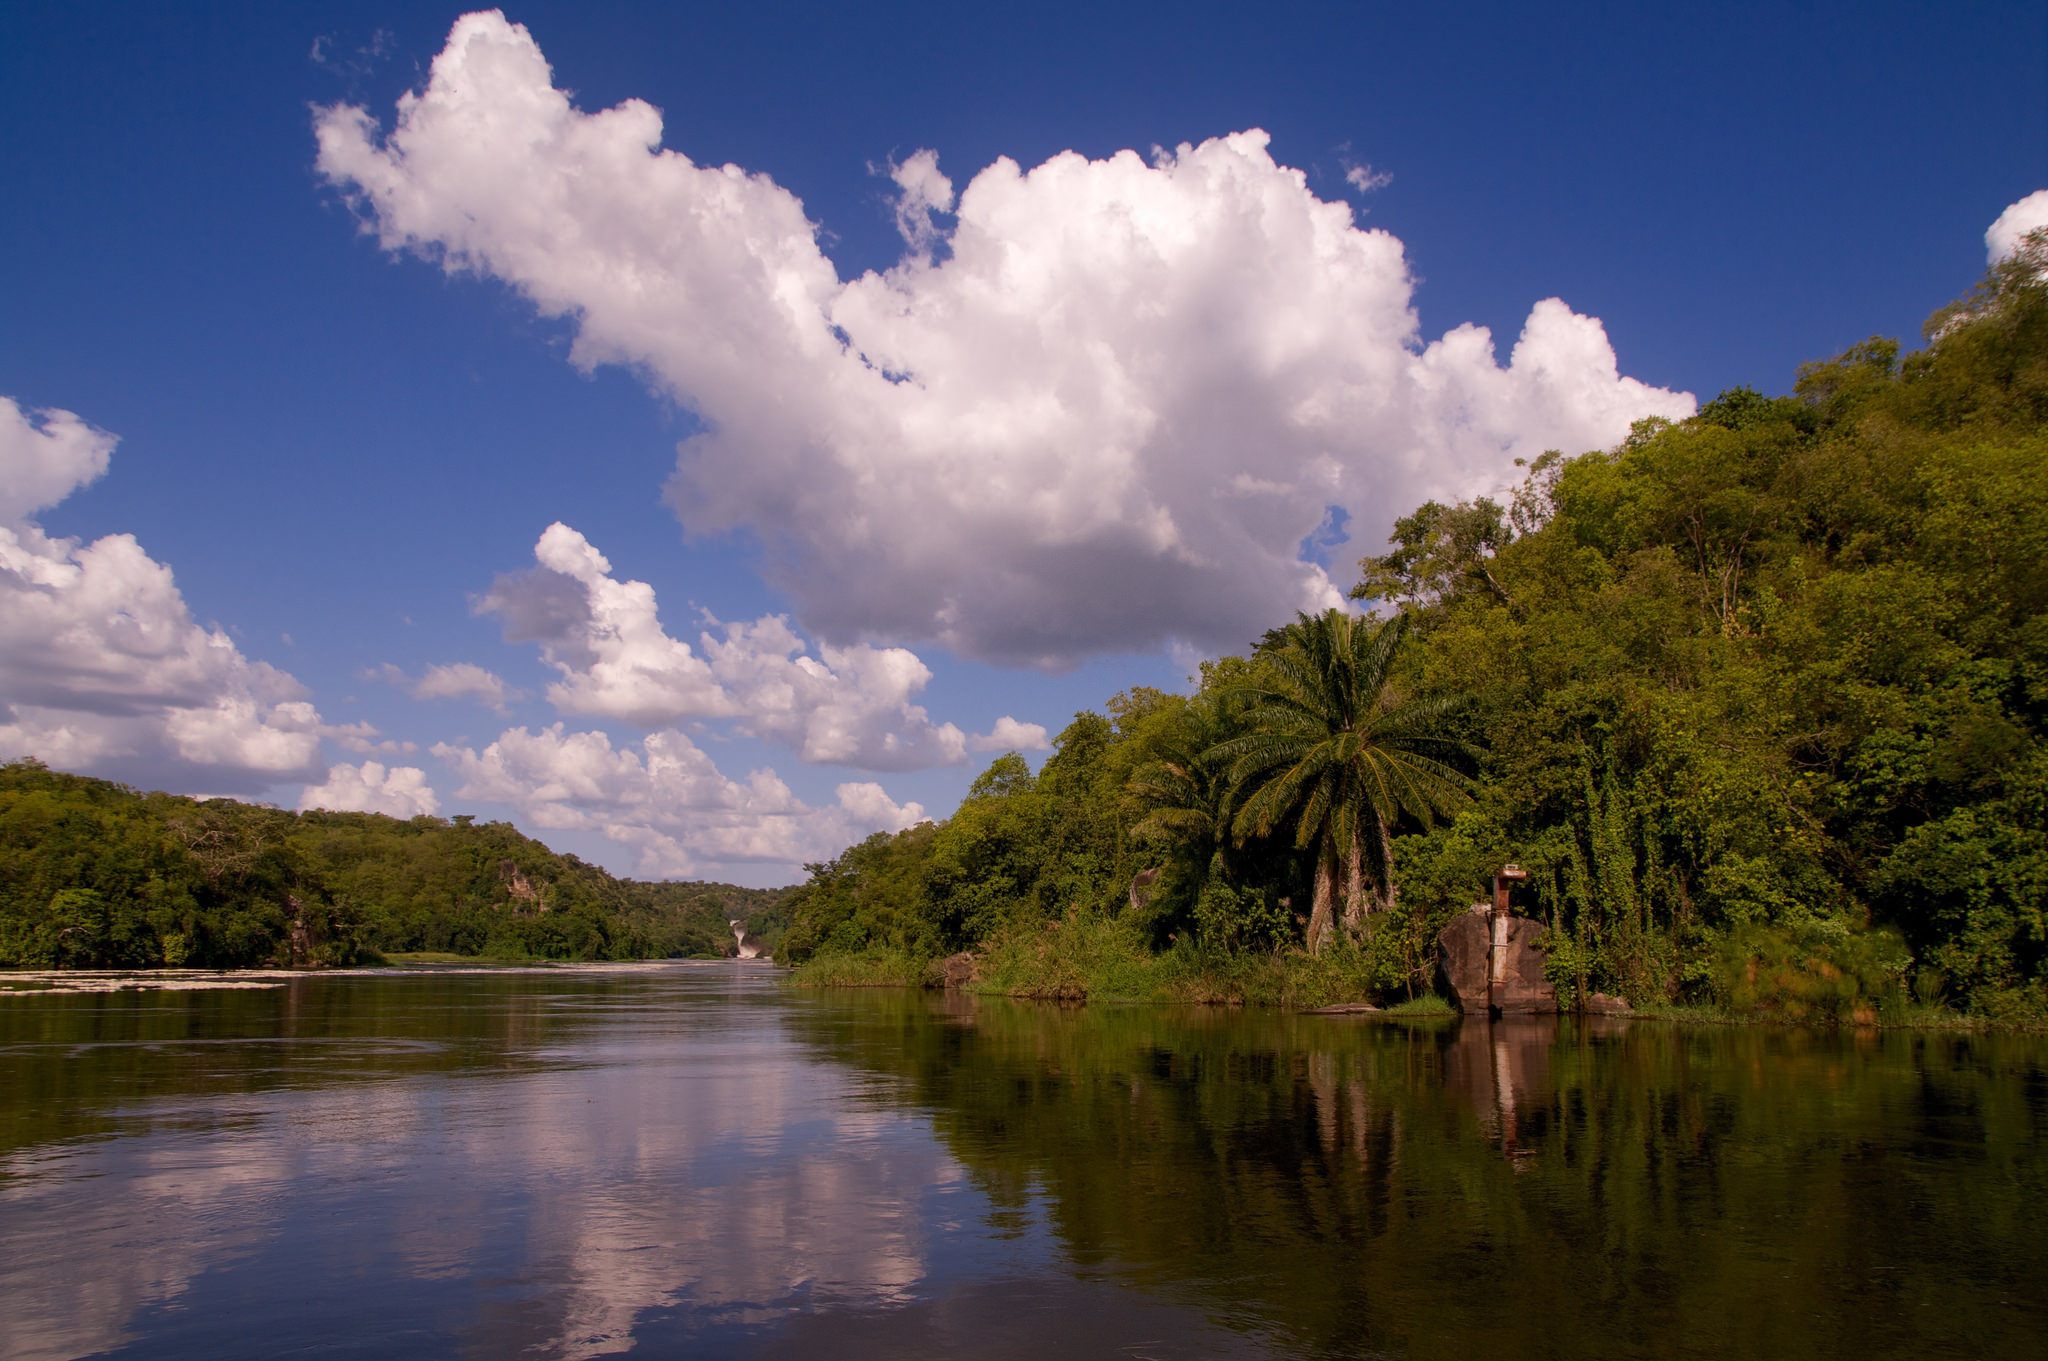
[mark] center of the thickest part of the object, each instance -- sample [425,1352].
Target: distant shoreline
[40,982]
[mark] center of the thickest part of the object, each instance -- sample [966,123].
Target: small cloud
[356,65]
[457,680]
[922,193]
[398,791]
[1011,735]
[363,738]
[1364,178]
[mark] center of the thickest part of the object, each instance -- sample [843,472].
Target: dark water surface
[697,1160]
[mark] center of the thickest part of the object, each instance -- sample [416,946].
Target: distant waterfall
[739,935]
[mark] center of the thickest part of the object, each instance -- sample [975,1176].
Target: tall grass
[1106,959]
[871,969]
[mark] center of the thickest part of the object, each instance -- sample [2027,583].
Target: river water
[698,1160]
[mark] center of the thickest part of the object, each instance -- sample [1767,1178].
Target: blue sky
[990,442]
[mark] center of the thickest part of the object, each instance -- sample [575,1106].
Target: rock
[1600,1004]
[518,887]
[957,971]
[1523,989]
[1462,952]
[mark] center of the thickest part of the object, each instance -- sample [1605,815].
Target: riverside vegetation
[97,875]
[1756,697]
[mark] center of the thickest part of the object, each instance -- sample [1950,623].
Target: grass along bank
[1107,960]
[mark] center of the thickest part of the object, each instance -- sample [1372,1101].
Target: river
[697,1159]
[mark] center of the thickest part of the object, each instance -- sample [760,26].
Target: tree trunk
[1391,897]
[1319,924]
[1356,905]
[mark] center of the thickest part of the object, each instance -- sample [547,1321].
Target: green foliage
[870,898]
[1816,975]
[1083,957]
[1438,551]
[876,968]
[95,875]
[1329,747]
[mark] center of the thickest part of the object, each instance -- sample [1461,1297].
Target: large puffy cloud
[372,787]
[665,798]
[848,705]
[102,667]
[2028,215]
[1104,415]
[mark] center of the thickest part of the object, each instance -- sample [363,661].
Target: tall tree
[1331,746]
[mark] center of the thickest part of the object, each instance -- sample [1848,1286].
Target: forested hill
[97,875]
[1759,698]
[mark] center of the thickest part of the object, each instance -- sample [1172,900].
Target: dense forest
[97,875]
[1758,698]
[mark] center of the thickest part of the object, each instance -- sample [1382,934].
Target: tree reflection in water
[1534,1187]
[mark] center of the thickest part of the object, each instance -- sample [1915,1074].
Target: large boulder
[1462,953]
[1523,989]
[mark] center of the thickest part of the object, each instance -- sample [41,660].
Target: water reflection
[562,1172]
[700,1161]
[1515,1188]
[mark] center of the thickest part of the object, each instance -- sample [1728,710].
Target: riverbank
[1105,961]
[29,982]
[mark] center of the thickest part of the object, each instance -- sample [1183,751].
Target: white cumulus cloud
[372,787]
[2004,236]
[604,636]
[851,705]
[1104,417]
[665,798]
[102,667]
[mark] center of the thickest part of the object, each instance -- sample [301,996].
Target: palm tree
[1331,746]
[1179,793]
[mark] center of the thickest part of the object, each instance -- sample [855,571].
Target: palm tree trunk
[1319,925]
[1391,897]
[1356,904]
